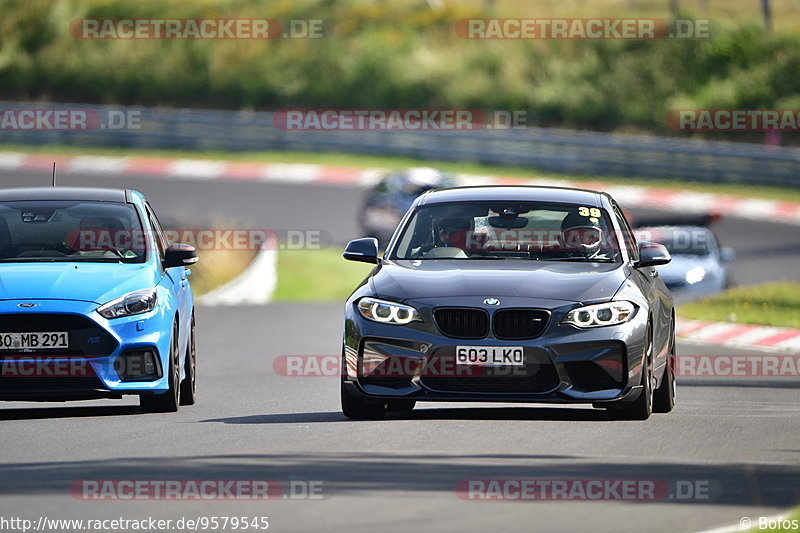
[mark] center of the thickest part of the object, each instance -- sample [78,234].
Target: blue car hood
[89,282]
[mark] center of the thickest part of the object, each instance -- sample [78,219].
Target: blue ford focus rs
[94,301]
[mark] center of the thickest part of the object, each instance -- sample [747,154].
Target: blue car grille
[86,338]
[49,384]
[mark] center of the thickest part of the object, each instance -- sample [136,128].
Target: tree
[767,15]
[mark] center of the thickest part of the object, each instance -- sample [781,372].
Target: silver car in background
[699,266]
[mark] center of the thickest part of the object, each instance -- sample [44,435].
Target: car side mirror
[364,250]
[652,254]
[726,255]
[177,255]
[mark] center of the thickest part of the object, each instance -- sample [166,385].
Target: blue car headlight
[387,312]
[133,303]
[695,275]
[599,315]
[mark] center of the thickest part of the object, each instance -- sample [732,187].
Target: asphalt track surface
[737,438]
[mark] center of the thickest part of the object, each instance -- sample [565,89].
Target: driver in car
[99,234]
[449,232]
[452,231]
[582,236]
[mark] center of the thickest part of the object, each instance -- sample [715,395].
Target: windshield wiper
[29,259]
[579,260]
[95,260]
[60,260]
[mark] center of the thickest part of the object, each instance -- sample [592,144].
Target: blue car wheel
[188,392]
[169,401]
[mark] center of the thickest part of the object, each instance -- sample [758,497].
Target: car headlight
[695,275]
[599,315]
[133,303]
[387,312]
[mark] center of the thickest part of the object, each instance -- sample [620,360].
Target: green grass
[770,304]
[366,161]
[403,54]
[317,275]
[217,267]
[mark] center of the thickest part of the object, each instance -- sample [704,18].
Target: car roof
[531,193]
[92,194]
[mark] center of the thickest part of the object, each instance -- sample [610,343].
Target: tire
[169,401]
[357,408]
[189,383]
[642,407]
[401,406]
[664,395]
[729,282]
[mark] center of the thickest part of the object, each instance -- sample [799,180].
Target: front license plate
[490,355]
[40,340]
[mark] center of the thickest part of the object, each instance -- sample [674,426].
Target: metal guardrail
[567,151]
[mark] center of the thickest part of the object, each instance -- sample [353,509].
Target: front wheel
[357,408]
[642,407]
[169,401]
[189,383]
[664,395]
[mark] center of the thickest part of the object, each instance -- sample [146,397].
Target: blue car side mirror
[726,255]
[180,255]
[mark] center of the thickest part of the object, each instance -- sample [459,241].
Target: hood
[89,282]
[575,282]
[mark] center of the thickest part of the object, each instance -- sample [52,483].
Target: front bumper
[563,365]
[104,359]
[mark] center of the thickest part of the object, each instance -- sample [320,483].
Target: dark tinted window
[508,230]
[34,231]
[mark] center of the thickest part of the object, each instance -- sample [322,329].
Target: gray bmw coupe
[510,294]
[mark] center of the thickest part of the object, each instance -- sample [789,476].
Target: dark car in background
[393,194]
[510,294]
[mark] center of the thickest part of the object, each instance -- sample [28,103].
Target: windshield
[47,231]
[508,230]
[679,241]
